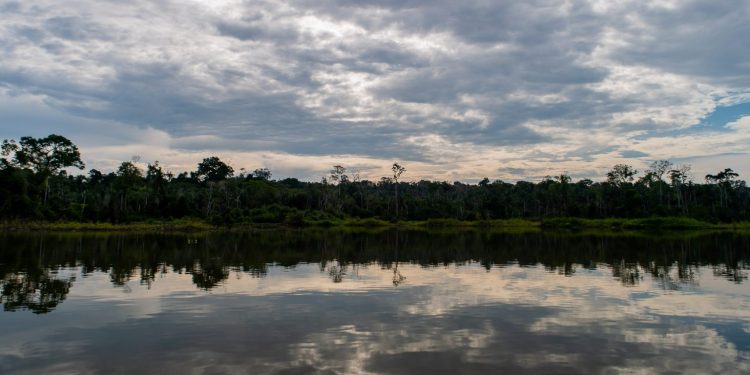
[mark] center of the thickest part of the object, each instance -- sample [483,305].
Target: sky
[453,90]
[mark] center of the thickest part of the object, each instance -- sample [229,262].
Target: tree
[621,174]
[8,147]
[397,171]
[129,172]
[339,177]
[727,175]
[338,174]
[679,177]
[129,177]
[262,174]
[658,168]
[46,156]
[725,180]
[213,169]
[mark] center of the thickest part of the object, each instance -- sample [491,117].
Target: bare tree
[680,177]
[657,169]
[338,174]
[397,171]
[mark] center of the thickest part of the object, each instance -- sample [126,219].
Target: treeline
[35,186]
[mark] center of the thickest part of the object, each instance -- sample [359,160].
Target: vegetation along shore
[36,192]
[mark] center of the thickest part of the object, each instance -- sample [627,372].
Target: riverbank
[195,225]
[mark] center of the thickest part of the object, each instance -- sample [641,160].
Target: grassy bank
[181,225]
[654,223]
[551,224]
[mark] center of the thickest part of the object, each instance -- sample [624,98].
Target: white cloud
[456,90]
[743,124]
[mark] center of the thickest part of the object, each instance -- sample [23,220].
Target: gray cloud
[700,39]
[351,77]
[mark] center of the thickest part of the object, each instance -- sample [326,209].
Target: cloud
[450,318]
[743,124]
[492,84]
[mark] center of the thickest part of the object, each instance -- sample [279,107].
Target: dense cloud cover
[455,90]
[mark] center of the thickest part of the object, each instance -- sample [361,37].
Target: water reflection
[36,290]
[327,302]
[29,264]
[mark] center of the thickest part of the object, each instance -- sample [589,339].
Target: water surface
[392,303]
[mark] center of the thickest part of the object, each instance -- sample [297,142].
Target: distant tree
[727,175]
[9,147]
[156,179]
[155,173]
[397,171]
[339,177]
[680,175]
[656,171]
[621,174]
[213,169]
[563,178]
[338,174]
[129,171]
[659,167]
[129,176]
[46,156]
[726,181]
[95,177]
[262,174]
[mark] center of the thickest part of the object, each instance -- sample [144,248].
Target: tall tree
[8,147]
[621,174]
[129,176]
[725,180]
[658,169]
[213,169]
[338,175]
[49,154]
[397,171]
[46,156]
[262,174]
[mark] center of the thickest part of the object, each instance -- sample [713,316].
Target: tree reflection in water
[38,292]
[31,265]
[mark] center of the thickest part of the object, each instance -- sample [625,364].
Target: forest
[35,185]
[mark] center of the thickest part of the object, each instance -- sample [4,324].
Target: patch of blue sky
[715,121]
[718,119]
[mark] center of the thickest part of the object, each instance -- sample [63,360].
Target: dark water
[393,303]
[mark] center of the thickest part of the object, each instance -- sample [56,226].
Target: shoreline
[550,224]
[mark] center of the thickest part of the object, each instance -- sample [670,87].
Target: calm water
[392,303]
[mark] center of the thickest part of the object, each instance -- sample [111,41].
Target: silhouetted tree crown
[213,169]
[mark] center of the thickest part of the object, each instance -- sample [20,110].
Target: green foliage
[652,223]
[621,174]
[46,155]
[369,222]
[664,198]
[213,169]
[442,223]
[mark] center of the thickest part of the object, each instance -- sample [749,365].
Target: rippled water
[396,303]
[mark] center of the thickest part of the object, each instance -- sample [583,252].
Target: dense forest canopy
[34,185]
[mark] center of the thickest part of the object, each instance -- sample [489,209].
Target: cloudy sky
[455,90]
